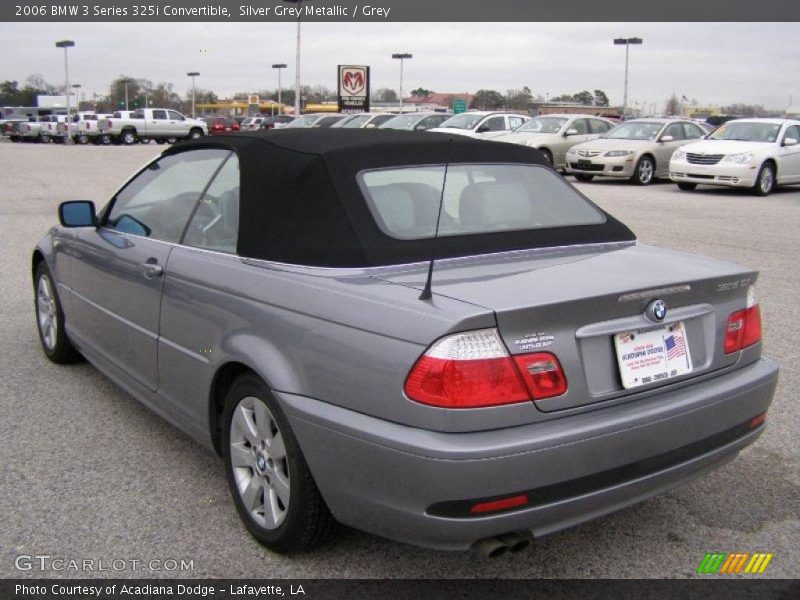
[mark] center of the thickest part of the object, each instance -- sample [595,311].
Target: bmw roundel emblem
[656,310]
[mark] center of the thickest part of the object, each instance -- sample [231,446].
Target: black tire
[60,351]
[82,140]
[172,140]
[144,140]
[583,177]
[195,134]
[128,137]
[307,522]
[547,155]
[645,171]
[43,139]
[160,142]
[687,187]
[765,182]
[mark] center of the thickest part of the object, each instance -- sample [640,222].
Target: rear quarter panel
[339,336]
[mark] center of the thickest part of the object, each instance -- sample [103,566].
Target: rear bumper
[730,175]
[389,479]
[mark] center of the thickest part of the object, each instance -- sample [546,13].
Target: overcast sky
[717,63]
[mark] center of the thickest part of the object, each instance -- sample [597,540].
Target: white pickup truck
[159,124]
[82,128]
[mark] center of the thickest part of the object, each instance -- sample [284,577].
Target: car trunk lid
[573,301]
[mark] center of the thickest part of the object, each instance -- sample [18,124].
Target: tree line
[143,92]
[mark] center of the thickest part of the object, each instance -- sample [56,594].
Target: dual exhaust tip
[507,543]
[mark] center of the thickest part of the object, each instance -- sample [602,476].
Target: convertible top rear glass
[301,201]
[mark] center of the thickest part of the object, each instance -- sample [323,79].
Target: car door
[177,124]
[158,123]
[490,125]
[576,132]
[663,149]
[118,267]
[789,156]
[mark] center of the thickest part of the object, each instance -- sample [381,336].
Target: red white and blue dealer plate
[652,354]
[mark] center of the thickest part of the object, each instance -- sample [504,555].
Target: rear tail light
[743,328]
[473,369]
[542,374]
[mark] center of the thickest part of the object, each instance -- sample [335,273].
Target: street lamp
[193,74]
[402,56]
[627,43]
[297,60]
[66,44]
[126,81]
[279,66]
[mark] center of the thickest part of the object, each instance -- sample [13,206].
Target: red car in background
[220,125]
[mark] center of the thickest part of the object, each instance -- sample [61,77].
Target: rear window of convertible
[478,198]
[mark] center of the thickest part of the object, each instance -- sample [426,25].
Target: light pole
[66,44]
[279,66]
[627,43]
[297,60]
[401,56]
[126,82]
[193,74]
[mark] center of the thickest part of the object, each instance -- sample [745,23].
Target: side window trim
[202,196]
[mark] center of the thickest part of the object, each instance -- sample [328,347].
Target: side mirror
[482,129]
[789,142]
[77,213]
[667,138]
[570,132]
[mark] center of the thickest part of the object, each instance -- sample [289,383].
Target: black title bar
[399,10]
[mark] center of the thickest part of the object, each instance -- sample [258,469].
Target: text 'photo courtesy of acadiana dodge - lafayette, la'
[390,294]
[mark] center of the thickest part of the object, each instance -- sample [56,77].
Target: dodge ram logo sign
[353,88]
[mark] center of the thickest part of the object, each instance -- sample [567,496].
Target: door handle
[152,269]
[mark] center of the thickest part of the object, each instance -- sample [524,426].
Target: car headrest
[496,204]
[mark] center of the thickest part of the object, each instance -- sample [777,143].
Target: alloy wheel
[766,181]
[259,463]
[645,171]
[47,316]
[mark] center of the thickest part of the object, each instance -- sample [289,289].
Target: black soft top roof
[300,201]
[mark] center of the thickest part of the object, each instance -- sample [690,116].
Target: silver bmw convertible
[428,337]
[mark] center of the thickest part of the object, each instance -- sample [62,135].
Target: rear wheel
[82,139]
[268,477]
[128,137]
[50,319]
[172,140]
[159,142]
[583,177]
[144,140]
[687,187]
[765,182]
[195,134]
[645,171]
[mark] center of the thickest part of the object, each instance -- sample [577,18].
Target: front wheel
[172,140]
[271,484]
[548,156]
[195,134]
[144,140]
[765,182]
[687,187]
[584,178]
[645,171]
[82,140]
[50,319]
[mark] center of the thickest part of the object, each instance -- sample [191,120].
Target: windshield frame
[661,126]
[724,127]
[521,128]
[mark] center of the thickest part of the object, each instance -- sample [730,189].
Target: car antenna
[426,292]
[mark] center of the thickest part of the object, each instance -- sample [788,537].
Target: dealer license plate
[584,164]
[652,354]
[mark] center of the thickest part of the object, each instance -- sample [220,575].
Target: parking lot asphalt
[90,473]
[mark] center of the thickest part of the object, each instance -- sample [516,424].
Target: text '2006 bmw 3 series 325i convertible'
[273,295]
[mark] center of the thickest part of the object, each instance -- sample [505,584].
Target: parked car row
[759,154]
